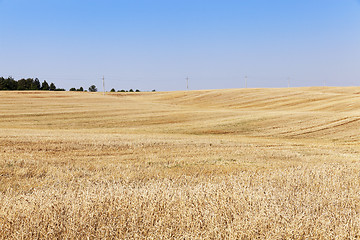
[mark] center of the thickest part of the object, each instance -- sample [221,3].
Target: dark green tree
[92,88]
[45,86]
[35,85]
[10,84]
[112,90]
[52,87]
[81,89]
[72,89]
[21,84]
[28,83]
[2,83]
[131,90]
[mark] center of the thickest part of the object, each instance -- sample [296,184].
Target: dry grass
[219,164]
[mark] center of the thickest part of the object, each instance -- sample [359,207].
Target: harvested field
[211,164]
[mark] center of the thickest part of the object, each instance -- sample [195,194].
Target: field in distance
[209,164]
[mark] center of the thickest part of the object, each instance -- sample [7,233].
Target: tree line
[35,84]
[93,88]
[26,84]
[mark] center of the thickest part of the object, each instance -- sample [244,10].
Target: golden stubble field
[212,164]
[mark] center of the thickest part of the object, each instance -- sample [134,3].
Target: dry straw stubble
[235,164]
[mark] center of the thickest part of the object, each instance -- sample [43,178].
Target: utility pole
[187,83]
[103,85]
[246,81]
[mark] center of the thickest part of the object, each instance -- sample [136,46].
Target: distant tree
[45,85]
[112,90]
[35,85]
[52,87]
[122,90]
[153,90]
[81,89]
[28,83]
[131,90]
[8,84]
[60,89]
[21,84]
[2,83]
[92,88]
[72,89]
[11,83]
[137,90]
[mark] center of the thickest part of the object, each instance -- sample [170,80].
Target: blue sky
[156,44]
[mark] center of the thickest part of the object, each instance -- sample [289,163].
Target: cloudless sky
[156,44]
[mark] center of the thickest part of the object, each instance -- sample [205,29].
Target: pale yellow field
[212,164]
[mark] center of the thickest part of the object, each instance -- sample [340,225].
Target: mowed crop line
[334,125]
[212,164]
